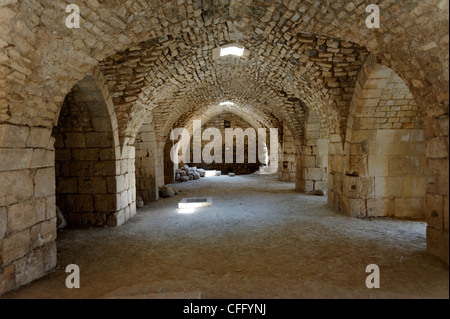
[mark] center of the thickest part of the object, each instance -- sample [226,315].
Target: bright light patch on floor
[210,173]
[228,103]
[193,203]
[187,211]
[232,51]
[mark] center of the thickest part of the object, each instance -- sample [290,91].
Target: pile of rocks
[187,174]
[168,192]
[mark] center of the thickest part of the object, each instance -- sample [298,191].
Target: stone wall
[94,181]
[288,164]
[233,121]
[313,168]
[147,168]
[385,174]
[85,160]
[27,205]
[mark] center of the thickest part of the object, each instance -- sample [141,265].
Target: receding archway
[386,172]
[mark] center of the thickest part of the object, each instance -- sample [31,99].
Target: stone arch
[93,184]
[384,171]
[243,113]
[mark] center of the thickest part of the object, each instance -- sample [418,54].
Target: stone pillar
[288,165]
[437,198]
[27,205]
[169,166]
[146,162]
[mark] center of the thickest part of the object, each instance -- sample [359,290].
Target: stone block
[374,83]
[63,155]
[104,168]
[446,213]
[23,215]
[43,233]
[44,182]
[437,147]
[29,268]
[78,203]
[77,169]
[388,186]
[50,256]
[435,211]
[378,166]
[380,207]
[50,207]
[16,246]
[439,168]
[111,182]
[101,140]
[17,186]
[353,207]
[415,186]
[359,187]
[371,93]
[331,196]
[87,154]
[363,136]
[438,243]
[321,185]
[411,208]
[7,278]
[3,222]
[417,136]
[358,165]
[106,202]
[404,165]
[13,136]
[363,123]
[15,158]
[75,140]
[315,174]
[92,185]
[386,136]
[309,161]
[39,137]
[67,185]
[101,124]
[107,154]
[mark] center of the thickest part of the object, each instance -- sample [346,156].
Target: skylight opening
[227,103]
[236,51]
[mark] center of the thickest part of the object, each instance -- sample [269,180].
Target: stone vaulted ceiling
[157,55]
[175,76]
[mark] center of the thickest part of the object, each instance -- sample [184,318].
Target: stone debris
[318,192]
[168,192]
[187,173]
[139,202]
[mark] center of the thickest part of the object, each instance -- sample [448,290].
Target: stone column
[27,205]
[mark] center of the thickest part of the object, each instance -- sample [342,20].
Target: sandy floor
[259,240]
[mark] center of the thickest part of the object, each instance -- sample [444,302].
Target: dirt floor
[260,239]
